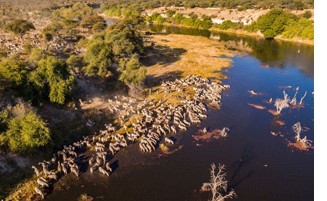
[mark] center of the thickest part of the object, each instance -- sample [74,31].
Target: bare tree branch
[218,184]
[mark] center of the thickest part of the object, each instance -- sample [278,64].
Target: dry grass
[24,191]
[177,56]
[187,55]
[201,56]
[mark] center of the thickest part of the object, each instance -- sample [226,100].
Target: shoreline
[229,31]
[277,38]
[175,56]
[242,32]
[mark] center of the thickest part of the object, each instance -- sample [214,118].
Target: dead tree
[286,98]
[297,129]
[281,104]
[304,142]
[300,103]
[293,101]
[218,184]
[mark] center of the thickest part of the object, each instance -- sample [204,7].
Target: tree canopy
[277,22]
[121,44]
[19,26]
[22,130]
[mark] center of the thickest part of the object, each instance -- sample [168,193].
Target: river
[259,166]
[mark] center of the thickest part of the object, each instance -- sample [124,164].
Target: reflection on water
[259,166]
[270,52]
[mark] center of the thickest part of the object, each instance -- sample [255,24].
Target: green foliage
[98,27]
[12,72]
[36,55]
[253,27]
[132,73]
[90,21]
[53,74]
[278,22]
[230,4]
[228,24]
[204,23]
[303,28]
[3,52]
[73,15]
[98,57]
[120,43]
[23,130]
[75,63]
[52,29]
[160,19]
[19,26]
[273,23]
[307,14]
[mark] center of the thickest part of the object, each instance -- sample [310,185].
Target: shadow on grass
[160,54]
[153,81]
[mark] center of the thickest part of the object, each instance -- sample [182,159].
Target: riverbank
[259,35]
[171,57]
[176,56]
[244,33]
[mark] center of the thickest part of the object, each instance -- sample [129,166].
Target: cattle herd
[143,122]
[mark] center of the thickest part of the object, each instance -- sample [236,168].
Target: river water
[259,166]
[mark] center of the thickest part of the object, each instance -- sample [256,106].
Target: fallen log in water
[259,107]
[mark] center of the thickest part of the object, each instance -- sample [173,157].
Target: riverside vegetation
[278,21]
[43,70]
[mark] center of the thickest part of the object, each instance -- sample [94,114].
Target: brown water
[259,166]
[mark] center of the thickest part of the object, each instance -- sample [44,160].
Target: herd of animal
[143,122]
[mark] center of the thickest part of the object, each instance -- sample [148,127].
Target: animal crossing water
[259,165]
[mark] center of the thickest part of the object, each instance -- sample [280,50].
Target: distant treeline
[194,21]
[230,4]
[276,22]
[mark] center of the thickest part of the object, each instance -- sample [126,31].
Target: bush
[307,14]
[13,72]
[23,130]
[19,26]
[53,79]
[228,24]
[303,28]
[274,22]
[90,21]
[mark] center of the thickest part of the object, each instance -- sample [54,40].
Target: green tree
[98,57]
[12,72]
[160,19]
[35,55]
[132,73]
[274,22]
[307,14]
[19,26]
[90,21]
[75,63]
[302,28]
[98,27]
[25,131]
[53,77]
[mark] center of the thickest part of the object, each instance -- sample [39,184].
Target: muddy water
[259,166]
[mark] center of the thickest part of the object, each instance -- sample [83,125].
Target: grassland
[177,56]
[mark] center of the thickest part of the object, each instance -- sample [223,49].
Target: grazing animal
[108,167]
[42,183]
[39,192]
[103,171]
[37,172]
[169,141]
[59,167]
